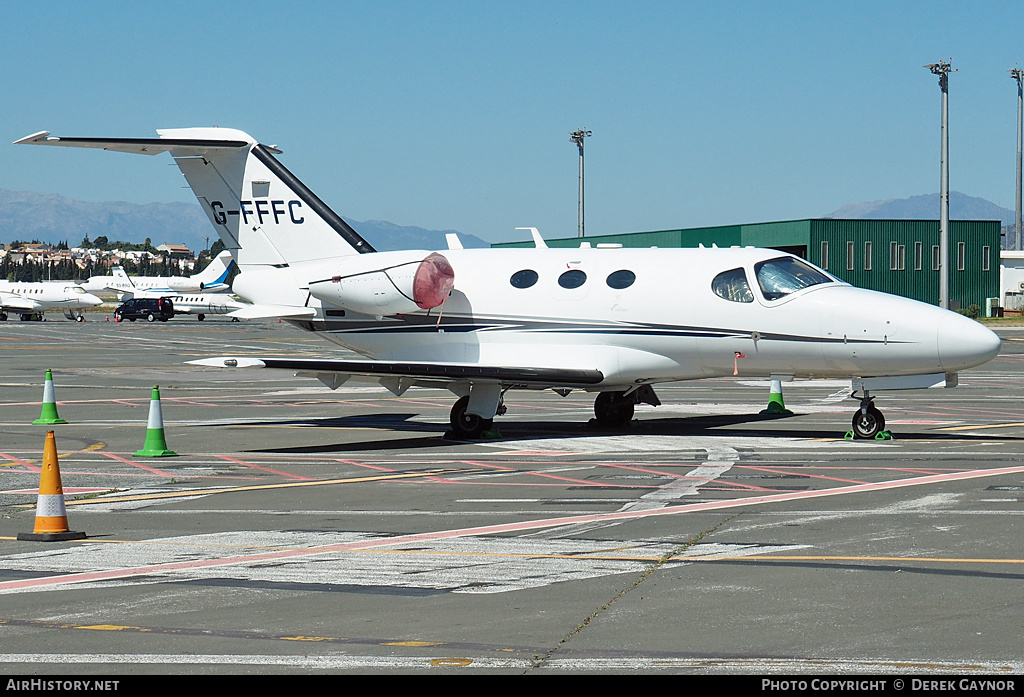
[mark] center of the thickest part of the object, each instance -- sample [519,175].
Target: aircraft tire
[200,317]
[3,316]
[468,425]
[868,425]
[613,409]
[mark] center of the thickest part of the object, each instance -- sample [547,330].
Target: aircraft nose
[964,343]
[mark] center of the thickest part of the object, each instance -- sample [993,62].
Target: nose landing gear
[868,421]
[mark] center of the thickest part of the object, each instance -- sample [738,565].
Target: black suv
[151,308]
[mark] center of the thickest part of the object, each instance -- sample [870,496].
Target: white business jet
[212,279]
[32,299]
[482,321]
[201,304]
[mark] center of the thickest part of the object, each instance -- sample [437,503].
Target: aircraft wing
[532,377]
[14,301]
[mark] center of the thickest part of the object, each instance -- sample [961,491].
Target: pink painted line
[772,470]
[683,477]
[502,528]
[112,456]
[542,475]
[34,468]
[266,469]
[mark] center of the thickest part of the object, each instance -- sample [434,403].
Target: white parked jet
[212,279]
[482,321]
[202,304]
[32,299]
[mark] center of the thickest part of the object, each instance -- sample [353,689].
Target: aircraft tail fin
[263,214]
[216,272]
[119,274]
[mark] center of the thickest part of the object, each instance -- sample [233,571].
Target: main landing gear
[615,409]
[467,426]
[611,409]
[868,422]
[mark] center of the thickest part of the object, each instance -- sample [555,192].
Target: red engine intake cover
[433,281]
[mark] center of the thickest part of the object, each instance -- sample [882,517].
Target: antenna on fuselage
[538,241]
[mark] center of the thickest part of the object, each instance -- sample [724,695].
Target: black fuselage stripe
[347,328]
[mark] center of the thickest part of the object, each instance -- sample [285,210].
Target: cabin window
[732,285]
[620,279]
[573,278]
[780,277]
[523,279]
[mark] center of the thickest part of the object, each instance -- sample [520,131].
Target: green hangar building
[894,256]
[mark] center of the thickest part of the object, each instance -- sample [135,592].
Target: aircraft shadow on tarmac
[717,425]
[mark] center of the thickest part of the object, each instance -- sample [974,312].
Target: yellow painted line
[414,644]
[265,487]
[975,428]
[946,560]
[112,627]
[308,638]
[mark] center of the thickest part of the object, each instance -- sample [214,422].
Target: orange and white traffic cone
[51,515]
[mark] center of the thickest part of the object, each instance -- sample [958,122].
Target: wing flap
[546,377]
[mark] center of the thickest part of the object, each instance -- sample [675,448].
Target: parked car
[151,309]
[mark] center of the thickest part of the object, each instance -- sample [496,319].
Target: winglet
[32,139]
[453,240]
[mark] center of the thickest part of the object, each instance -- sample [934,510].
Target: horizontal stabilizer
[137,146]
[271,311]
[534,377]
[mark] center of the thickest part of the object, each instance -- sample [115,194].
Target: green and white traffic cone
[156,445]
[49,412]
[775,403]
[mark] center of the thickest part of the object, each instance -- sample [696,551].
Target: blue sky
[456,115]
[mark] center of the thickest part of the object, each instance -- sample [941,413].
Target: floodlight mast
[577,137]
[943,69]
[1018,75]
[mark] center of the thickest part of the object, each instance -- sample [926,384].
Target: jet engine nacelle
[185,285]
[387,283]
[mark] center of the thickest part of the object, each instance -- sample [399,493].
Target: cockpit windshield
[780,277]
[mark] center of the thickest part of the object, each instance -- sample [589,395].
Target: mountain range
[926,207]
[51,218]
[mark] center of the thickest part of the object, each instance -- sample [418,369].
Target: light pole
[577,137]
[1018,75]
[943,70]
